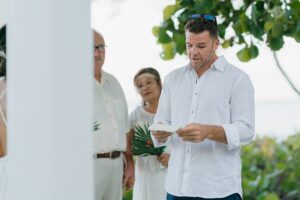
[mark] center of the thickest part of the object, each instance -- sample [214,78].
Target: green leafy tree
[244,22]
[271,169]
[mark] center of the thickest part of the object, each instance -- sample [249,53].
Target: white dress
[149,173]
[3,175]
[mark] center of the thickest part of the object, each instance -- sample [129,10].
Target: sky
[127,24]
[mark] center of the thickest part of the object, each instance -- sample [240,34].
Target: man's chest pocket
[222,103]
[119,109]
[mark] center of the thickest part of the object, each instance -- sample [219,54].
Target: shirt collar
[219,64]
[103,79]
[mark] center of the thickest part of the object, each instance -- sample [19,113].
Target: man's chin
[196,65]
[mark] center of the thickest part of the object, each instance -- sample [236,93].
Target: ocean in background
[278,119]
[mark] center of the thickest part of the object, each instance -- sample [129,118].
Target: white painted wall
[3,12]
[49,100]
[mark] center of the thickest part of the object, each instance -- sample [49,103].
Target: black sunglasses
[205,17]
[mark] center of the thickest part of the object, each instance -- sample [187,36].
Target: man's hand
[198,132]
[161,136]
[164,159]
[193,133]
[128,178]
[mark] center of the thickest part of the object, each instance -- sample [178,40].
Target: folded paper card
[162,127]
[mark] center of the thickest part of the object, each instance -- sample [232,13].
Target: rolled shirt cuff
[232,136]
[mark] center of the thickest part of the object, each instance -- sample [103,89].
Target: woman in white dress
[150,170]
[3,123]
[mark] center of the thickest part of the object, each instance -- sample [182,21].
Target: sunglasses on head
[205,17]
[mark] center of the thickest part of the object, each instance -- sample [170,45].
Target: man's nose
[194,50]
[97,53]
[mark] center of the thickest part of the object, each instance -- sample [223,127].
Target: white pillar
[3,12]
[49,100]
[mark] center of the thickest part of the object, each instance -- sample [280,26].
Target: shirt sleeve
[241,129]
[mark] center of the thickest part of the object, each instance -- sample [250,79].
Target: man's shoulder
[234,70]
[109,78]
[174,74]
[235,73]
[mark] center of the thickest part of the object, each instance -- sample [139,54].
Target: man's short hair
[200,24]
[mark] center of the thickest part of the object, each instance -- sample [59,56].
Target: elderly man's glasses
[100,47]
[204,17]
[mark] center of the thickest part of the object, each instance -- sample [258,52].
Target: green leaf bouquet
[142,144]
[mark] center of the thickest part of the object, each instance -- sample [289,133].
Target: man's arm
[128,179]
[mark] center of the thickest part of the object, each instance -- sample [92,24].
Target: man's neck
[98,77]
[203,69]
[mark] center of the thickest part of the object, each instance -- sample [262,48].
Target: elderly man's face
[99,52]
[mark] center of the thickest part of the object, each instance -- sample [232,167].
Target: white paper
[162,127]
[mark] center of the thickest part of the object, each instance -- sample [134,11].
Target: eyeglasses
[205,17]
[100,47]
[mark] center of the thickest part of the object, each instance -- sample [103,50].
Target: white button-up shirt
[110,112]
[222,96]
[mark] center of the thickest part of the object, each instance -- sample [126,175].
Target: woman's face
[148,87]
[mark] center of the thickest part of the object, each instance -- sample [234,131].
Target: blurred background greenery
[271,169]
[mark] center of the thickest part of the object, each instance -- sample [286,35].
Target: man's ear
[216,43]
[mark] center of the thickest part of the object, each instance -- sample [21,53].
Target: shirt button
[196,93]
[110,115]
[115,129]
[192,111]
[106,101]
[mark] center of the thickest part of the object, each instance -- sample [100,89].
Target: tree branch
[284,74]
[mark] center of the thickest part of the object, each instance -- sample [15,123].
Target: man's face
[99,53]
[200,48]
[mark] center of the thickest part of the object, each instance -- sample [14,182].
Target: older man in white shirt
[110,128]
[211,102]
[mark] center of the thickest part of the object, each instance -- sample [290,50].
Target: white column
[3,12]
[50,100]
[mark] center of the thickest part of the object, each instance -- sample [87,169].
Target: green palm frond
[142,144]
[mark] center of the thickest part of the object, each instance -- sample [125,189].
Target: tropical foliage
[264,21]
[271,169]
[142,144]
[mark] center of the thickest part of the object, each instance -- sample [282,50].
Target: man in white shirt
[211,102]
[110,128]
